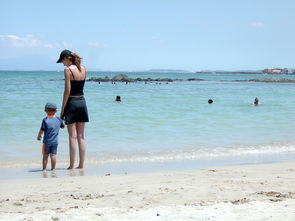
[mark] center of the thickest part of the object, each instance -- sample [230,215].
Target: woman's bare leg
[72,141]
[81,142]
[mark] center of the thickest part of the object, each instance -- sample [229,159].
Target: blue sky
[149,34]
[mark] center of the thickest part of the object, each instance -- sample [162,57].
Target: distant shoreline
[238,72]
[228,72]
[161,71]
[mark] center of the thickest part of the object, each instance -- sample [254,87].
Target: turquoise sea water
[154,122]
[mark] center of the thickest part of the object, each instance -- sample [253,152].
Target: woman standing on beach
[74,109]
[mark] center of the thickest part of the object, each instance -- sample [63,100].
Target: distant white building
[278,71]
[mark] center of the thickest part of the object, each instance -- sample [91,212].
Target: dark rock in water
[270,80]
[99,79]
[120,77]
[280,80]
[168,79]
[125,78]
[195,79]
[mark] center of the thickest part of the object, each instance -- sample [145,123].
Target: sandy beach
[247,192]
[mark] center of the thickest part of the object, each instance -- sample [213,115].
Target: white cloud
[256,24]
[28,41]
[63,44]
[97,44]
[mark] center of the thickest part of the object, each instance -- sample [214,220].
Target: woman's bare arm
[67,90]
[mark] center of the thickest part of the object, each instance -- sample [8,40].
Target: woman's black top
[77,86]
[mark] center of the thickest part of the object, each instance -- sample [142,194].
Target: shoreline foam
[166,155]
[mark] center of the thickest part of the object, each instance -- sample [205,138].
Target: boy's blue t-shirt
[51,126]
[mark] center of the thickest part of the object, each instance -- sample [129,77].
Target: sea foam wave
[195,153]
[172,155]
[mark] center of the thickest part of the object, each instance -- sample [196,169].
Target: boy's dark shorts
[51,148]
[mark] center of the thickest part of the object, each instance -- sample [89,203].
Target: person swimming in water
[118,99]
[256,101]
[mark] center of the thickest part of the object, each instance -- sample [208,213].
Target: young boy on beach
[50,127]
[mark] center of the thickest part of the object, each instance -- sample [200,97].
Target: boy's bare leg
[44,162]
[72,140]
[53,161]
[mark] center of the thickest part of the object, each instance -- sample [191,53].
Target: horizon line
[149,70]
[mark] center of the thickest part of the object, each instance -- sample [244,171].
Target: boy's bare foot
[53,174]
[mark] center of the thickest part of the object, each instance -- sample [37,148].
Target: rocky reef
[125,78]
[270,80]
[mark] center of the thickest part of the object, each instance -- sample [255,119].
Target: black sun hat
[63,54]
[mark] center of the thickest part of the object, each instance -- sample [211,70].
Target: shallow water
[154,122]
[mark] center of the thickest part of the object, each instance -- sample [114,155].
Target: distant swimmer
[118,99]
[210,101]
[256,101]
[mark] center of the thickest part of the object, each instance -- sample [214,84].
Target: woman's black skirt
[76,110]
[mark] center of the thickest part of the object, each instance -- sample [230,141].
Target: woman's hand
[62,115]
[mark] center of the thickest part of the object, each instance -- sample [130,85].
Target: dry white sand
[250,192]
